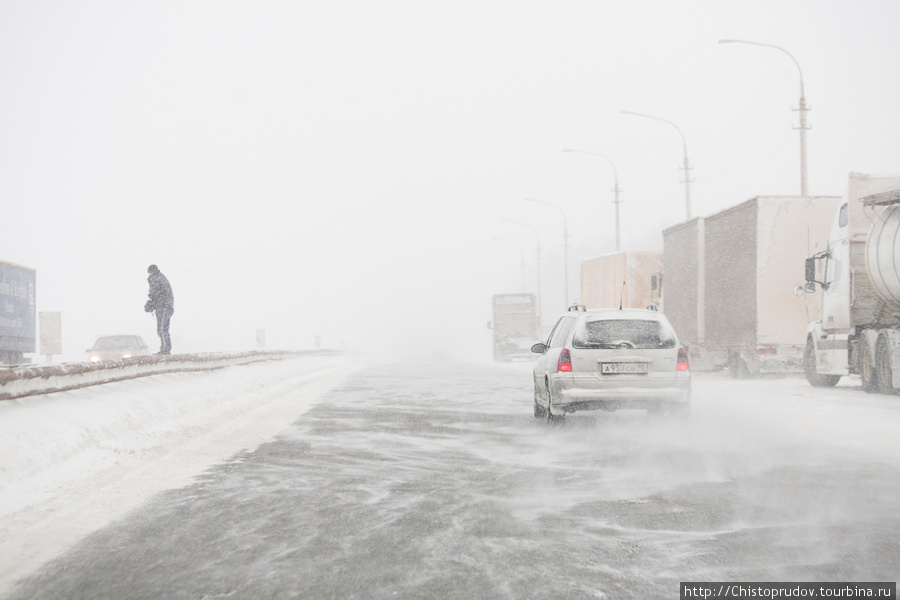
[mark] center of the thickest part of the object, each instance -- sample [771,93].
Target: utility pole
[803,129]
[522,253]
[565,248]
[616,200]
[802,109]
[538,242]
[687,164]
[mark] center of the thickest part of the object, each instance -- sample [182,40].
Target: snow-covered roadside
[29,380]
[72,461]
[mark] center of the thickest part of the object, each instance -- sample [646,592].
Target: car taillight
[682,360]
[565,361]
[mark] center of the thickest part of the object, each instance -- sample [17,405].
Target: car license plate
[623,368]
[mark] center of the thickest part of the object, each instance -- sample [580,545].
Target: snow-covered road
[72,461]
[435,481]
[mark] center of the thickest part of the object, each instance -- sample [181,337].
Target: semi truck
[626,279]
[17,313]
[515,326]
[858,277]
[728,282]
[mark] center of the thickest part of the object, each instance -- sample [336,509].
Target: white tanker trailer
[859,276]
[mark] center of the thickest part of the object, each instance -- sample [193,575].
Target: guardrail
[29,380]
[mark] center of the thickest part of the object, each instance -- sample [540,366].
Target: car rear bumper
[573,395]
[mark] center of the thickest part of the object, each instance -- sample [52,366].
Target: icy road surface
[436,482]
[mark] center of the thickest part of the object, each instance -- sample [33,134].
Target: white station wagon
[609,359]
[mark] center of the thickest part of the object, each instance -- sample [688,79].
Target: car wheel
[539,411]
[738,368]
[551,418]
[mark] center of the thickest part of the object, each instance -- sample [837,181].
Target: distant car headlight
[95,358]
[128,355]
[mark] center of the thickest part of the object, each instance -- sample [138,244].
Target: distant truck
[17,313]
[859,277]
[728,282]
[515,326]
[626,279]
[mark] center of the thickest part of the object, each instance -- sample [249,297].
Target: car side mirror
[539,348]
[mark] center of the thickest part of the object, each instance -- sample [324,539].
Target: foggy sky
[340,168]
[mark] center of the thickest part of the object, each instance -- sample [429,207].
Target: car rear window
[611,333]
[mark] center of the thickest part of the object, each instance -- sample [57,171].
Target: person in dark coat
[162,302]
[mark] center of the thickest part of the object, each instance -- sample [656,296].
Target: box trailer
[624,279]
[730,279]
[682,284]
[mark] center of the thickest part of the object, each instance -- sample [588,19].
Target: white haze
[340,169]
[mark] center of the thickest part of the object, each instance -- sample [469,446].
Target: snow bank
[18,382]
[74,460]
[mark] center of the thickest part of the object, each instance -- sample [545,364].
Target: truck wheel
[809,368]
[867,371]
[883,367]
[737,366]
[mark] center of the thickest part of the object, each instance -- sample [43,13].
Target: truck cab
[825,357]
[859,332]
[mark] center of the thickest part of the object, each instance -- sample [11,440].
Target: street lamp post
[802,109]
[538,238]
[521,252]
[687,166]
[615,189]
[565,247]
